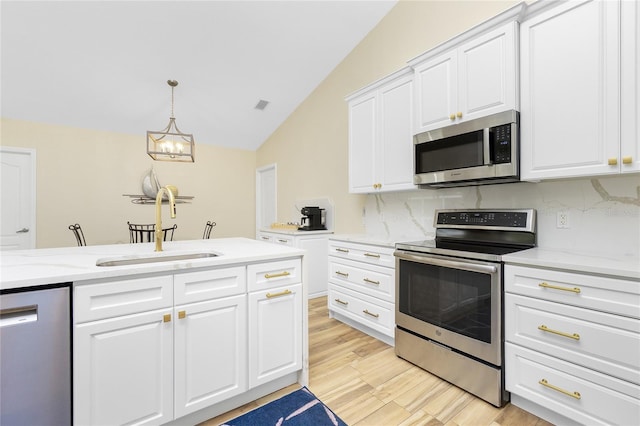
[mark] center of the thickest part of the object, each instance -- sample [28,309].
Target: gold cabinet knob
[166,318]
[459,114]
[452,117]
[612,161]
[627,160]
[182,314]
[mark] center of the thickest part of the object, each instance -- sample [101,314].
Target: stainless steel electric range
[449,293]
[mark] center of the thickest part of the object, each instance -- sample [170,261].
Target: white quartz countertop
[375,240]
[591,263]
[26,268]
[295,231]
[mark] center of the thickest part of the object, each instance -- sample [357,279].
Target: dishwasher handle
[18,315]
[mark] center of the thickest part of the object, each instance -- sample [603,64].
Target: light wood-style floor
[365,384]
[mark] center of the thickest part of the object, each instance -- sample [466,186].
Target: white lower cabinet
[316,257]
[274,334]
[573,345]
[210,352]
[362,287]
[123,370]
[275,301]
[189,349]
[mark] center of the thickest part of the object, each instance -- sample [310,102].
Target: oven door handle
[455,264]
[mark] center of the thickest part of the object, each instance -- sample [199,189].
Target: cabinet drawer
[268,238]
[273,274]
[617,296]
[277,238]
[375,255]
[371,280]
[375,314]
[110,299]
[589,338]
[599,399]
[204,285]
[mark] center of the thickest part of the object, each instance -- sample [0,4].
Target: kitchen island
[175,341]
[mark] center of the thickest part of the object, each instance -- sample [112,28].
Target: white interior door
[266,197]
[17,198]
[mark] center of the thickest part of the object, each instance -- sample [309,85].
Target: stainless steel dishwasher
[35,356]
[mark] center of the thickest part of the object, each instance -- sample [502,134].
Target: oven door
[454,302]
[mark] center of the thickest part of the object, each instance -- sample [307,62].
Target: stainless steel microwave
[476,152]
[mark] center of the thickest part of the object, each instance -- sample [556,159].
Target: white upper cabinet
[381,135]
[579,114]
[630,90]
[470,80]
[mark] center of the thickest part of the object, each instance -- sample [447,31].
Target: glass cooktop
[478,234]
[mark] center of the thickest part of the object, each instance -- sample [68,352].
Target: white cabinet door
[381,135]
[123,370]
[570,91]
[362,137]
[487,74]
[436,92]
[210,352]
[394,153]
[630,90]
[475,79]
[275,333]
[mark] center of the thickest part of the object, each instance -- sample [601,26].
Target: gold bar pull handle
[627,159]
[342,302]
[342,274]
[282,293]
[556,287]
[166,318]
[575,395]
[574,336]
[612,161]
[366,311]
[367,280]
[279,274]
[341,250]
[372,255]
[182,314]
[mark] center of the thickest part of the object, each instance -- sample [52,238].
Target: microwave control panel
[500,144]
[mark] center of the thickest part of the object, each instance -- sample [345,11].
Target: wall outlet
[562,220]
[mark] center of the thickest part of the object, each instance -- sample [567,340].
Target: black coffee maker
[313,219]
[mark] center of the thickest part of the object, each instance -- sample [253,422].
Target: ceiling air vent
[261,105]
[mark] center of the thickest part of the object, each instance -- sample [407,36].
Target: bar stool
[145,233]
[77,232]
[207,230]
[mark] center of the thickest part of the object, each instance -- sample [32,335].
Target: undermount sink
[153,259]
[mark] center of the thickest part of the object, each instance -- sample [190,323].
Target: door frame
[259,176]
[31,153]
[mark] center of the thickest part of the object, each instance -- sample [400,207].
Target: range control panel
[513,219]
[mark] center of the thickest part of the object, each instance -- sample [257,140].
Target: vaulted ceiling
[105,64]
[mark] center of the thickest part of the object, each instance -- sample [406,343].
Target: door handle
[22,231]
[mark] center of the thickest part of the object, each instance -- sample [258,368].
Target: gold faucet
[172,210]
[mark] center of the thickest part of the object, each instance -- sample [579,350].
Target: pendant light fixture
[170,144]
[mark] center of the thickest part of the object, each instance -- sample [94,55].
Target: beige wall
[311,147]
[82,174]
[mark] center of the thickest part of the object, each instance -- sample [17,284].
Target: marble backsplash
[603,212]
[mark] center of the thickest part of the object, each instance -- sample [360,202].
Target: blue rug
[299,408]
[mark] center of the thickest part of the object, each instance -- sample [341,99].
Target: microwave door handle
[472,267]
[486,146]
